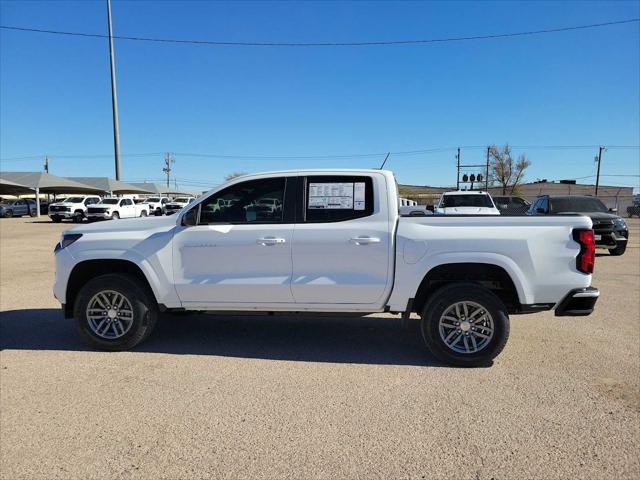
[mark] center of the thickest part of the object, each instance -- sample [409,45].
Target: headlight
[68,239]
[620,223]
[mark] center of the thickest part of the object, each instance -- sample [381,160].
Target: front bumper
[99,216]
[578,302]
[61,214]
[612,239]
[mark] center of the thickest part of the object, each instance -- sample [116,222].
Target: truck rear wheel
[112,312]
[464,324]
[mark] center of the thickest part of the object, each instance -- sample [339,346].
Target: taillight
[586,259]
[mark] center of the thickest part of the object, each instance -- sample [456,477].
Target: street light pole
[114,95]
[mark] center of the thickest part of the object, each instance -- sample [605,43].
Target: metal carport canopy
[42,182]
[8,187]
[110,185]
[159,189]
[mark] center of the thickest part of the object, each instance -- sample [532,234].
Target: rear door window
[336,198]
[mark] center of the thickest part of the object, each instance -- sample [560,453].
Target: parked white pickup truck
[157,205]
[470,202]
[115,208]
[72,208]
[337,245]
[177,204]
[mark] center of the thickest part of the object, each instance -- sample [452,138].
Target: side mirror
[540,210]
[190,218]
[613,210]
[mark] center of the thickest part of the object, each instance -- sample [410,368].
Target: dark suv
[510,205]
[610,231]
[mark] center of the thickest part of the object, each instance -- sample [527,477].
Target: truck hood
[594,215]
[126,225]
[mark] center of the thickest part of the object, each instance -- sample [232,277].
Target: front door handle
[364,240]
[267,241]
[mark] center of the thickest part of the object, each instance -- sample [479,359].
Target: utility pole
[114,95]
[486,178]
[168,160]
[46,163]
[599,160]
[458,170]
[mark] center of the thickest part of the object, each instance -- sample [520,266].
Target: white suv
[72,208]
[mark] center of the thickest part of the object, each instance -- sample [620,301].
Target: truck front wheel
[112,312]
[465,324]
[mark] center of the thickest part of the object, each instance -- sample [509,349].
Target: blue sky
[570,88]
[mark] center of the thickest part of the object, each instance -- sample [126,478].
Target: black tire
[32,213]
[445,297]
[143,213]
[144,307]
[158,212]
[8,214]
[619,250]
[115,216]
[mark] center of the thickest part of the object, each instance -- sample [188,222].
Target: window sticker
[333,196]
[358,196]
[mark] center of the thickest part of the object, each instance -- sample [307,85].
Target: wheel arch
[88,269]
[491,276]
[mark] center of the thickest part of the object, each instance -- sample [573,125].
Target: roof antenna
[385,161]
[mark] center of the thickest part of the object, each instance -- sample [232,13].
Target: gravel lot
[312,398]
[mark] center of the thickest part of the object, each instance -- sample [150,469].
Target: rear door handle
[364,240]
[267,241]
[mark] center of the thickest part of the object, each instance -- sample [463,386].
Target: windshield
[153,199]
[576,204]
[449,201]
[110,201]
[182,200]
[73,200]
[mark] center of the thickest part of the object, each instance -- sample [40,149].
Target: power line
[318,157]
[327,44]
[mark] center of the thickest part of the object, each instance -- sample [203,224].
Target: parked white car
[157,205]
[72,208]
[115,208]
[472,202]
[351,254]
[177,204]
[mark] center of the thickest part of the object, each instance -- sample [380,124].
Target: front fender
[152,254]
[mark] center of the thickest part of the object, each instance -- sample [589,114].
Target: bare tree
[233,175]
[505,171]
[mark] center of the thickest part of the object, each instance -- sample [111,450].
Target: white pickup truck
[337,245]
[73,208]
[115,208]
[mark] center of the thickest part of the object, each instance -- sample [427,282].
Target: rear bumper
[578,302]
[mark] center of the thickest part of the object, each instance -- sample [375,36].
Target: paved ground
[313,398]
